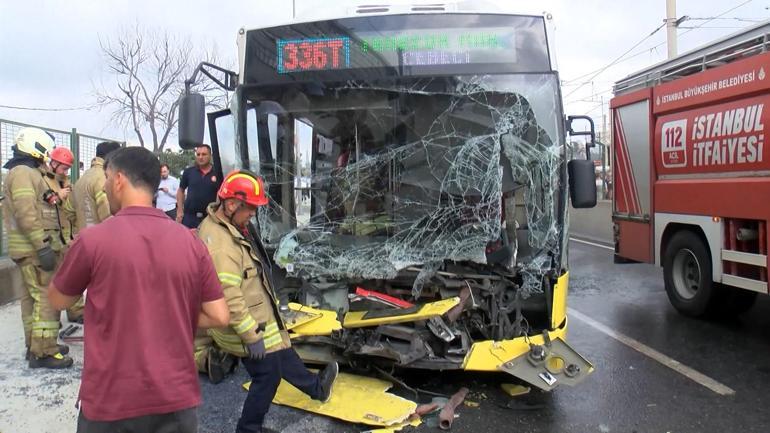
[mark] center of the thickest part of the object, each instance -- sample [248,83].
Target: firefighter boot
[63,349]
[54,362]
[327,377]
[220,364]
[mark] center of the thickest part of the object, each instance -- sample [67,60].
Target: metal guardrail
[82,146]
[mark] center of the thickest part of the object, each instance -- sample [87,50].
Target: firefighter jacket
[247,289]
[88,197]
[58,220]
[24,211]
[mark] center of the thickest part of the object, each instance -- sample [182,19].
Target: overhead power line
[616,60]
[620,59]
[717,17]
[14,107]
[748,20]
[712,27]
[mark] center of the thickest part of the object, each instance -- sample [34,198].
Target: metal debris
[447,415]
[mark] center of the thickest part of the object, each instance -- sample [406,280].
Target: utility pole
[671,25]
[604,122]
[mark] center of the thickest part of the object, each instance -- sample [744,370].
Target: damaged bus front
[416,166]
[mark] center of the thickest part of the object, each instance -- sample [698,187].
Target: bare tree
[149,69]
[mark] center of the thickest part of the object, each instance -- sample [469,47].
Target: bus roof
[335,10]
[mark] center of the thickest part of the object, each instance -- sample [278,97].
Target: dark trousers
[171,214]
[183,421]
[266,375]
[191,220]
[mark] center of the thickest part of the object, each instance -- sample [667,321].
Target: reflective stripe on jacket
[23,210]
[252,302]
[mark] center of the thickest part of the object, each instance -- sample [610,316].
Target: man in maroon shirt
[150,283]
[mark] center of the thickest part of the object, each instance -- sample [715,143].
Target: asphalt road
[628,392]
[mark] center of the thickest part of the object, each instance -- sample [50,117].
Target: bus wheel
[687,275]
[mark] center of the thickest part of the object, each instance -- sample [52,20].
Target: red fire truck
[691,188]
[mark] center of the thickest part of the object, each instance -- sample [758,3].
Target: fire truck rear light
[716,219]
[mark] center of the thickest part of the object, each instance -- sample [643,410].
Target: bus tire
[687,275]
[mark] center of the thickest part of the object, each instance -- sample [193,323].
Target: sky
[50,55]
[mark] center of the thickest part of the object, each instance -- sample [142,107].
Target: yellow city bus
[417,169]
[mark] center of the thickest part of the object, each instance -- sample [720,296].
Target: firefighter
[256,333]
[29,200]
[88,197]
[59,224]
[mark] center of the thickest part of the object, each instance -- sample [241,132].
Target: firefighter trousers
[40,319]
[202,344]
[266,375]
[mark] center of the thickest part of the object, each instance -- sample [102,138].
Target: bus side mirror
[582,180]
[192,108]
[582,183]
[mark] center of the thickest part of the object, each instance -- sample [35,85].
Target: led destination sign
[313,54]
[397,48]
[387,46]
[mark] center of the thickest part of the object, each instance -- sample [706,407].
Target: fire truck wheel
[687,275]
[735,301]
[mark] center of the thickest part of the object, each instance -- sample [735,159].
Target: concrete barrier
[593,224]
[10,281]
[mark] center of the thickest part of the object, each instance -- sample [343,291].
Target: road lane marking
[673,364]
[592,243]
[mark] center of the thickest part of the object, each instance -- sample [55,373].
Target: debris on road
[424,409]
[356,399]
[514,390]
[447,415]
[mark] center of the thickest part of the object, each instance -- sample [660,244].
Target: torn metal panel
[549,365]
[302,320]
[359,319]
[356,399]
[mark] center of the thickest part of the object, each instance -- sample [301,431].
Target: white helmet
[33,142]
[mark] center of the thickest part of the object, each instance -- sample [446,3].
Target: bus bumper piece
[549,365]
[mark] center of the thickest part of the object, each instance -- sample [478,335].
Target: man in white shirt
[165,198]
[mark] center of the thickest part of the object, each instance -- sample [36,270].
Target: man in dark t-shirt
[151,283]
[200,183]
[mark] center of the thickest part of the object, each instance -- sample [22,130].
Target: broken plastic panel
[366,180]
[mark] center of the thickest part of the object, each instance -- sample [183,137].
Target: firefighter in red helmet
[61,220]
[256,335]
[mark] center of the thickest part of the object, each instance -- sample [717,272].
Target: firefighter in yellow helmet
[60,220]
[256,333]
[28,201]
[88,197]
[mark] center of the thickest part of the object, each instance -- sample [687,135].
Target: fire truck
[691,189]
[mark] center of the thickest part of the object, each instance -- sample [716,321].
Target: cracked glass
[370,180]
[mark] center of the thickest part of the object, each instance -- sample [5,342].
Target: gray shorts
[183,421]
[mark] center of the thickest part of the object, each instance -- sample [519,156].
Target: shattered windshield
[368,179]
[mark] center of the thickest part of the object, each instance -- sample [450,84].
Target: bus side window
[225,135]
[303,155]
[261,138]
[252,140]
